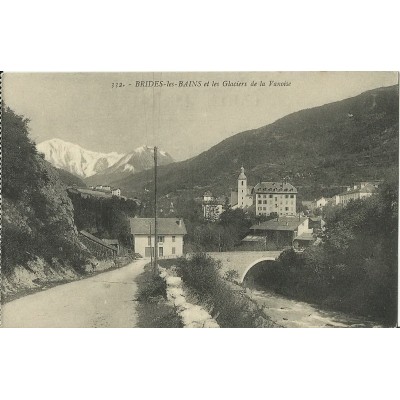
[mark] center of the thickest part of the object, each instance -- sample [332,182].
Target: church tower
[242,189]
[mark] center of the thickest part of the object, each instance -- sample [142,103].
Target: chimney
[179,222]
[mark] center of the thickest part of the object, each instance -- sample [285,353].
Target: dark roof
[274,187]
[305,236]
[315,219]
[111,241]
[165,226]
[282,224]
[96,239]
[96,193]
[254,238]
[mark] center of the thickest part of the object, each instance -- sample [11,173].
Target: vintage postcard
[200,199]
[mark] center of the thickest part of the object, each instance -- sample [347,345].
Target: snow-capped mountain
[138,160]
[99,168]
[75,159]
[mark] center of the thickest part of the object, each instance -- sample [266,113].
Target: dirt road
[103,301]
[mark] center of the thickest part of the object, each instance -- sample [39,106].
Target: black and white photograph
[200,199]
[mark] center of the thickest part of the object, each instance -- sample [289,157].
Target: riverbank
[290,313]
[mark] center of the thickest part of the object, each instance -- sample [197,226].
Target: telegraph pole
[151,250]
[155,213]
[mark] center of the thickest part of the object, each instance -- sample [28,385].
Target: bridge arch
[249,267]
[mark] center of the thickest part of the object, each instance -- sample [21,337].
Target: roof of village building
[274,187]
[368,188]
[280,224]
[165,226]
[111,241]
[254,238]
[96,239]
[207,194]
[306,237]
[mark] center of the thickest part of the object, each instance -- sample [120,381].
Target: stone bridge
[243,261]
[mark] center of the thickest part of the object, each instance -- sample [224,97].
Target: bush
[153,309]
[232,308]
[152,287]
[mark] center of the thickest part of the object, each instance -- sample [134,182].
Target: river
[291,313]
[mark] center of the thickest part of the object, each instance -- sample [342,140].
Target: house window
[242,183]
[264,208]
[161,239]
[173,239]
[149,240]
[259,201]
[173,249]
[270,196]
[286,208]
[291,196]
[286,196]
[276,205]
[265,201]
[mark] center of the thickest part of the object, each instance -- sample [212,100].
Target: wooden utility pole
[155,213]
[151,250]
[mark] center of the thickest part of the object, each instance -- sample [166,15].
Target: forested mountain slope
[334,144]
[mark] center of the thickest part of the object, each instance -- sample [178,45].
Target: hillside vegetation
[318,149]
[37,213]
[40,244]
[106,218]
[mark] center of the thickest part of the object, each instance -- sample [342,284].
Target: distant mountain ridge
[334,144]
[96,167]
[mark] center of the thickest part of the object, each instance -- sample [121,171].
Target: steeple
[242,175]
[242,188]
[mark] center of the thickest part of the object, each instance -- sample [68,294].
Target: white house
[321,202]
[116,192]
[170,232]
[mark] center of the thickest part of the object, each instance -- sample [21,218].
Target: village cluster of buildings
[106,189]
[286,229]
[358,191]
[277,198]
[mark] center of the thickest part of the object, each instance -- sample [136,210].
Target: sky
[183,118]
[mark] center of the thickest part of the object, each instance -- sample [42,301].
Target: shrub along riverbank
[153,308]
[227,303]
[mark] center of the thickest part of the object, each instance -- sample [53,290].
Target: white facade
[356,194]
[212,212]
[242,189]
[282,204]
[116,192]
[303,228]
[322,202]
[168,245]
